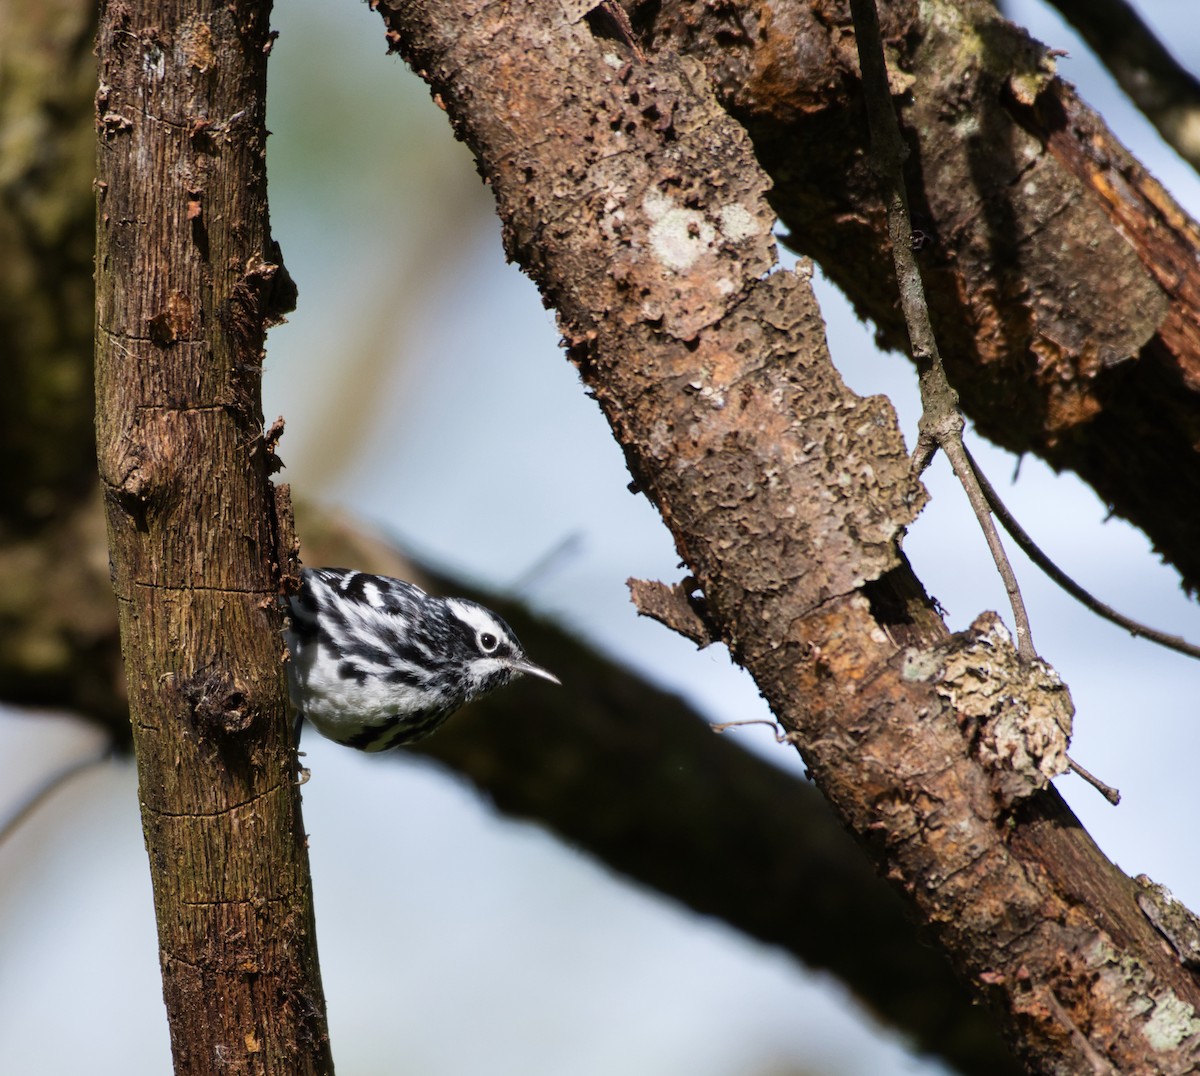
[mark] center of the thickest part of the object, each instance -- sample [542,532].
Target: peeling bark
[188,279]
[1063,281]
[637,206]
[68,586]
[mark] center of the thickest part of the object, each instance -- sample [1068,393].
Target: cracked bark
[637,205]
[188,279]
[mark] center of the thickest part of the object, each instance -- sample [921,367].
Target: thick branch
[637,206]
[627,773]
[1064,283]
[86,559]
[187,282]
[1166,92]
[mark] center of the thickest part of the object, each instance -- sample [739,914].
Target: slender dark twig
[1089,601]
[48,787]
[941,421]
[561,552]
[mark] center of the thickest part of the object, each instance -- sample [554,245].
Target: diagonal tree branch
[1165,91]
[102,697]
[633,776]
[638,207]
[1064,283]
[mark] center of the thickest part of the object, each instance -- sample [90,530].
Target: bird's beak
[529,669]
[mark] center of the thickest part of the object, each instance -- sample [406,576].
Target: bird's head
[487,650]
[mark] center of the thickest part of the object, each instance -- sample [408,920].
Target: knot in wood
[1016,715]
[218,705]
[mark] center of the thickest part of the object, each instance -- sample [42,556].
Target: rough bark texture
[188,280]
[1004,291]
[636,204]
[1063,281]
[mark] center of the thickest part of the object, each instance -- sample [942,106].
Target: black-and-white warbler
[377,662]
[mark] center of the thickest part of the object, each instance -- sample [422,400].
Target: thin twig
[561,552]
[1107,791]
[941,421]
[620,20]
[1089,601]
[781,735]
[1100,1065]
[48,787]
[956,453]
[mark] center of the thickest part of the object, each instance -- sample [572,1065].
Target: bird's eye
[488,642]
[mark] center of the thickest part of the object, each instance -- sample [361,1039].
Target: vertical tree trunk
[188,279]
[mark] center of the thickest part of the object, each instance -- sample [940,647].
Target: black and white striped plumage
[377,662]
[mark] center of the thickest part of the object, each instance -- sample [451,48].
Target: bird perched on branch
[376,662]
